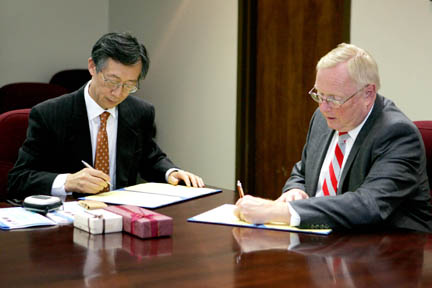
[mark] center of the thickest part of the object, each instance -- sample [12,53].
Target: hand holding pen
[89,166]
[257,210]
[88,180]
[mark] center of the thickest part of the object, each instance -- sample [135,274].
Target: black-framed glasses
[334,103]
[114,84]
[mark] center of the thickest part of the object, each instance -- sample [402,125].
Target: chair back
[13,130]
[425,128]
[71,79]
[27,94]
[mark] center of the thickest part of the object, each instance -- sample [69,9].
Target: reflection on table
[365,260]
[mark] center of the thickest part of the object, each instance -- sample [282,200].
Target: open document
[18,217]
[152,195]
[224,215]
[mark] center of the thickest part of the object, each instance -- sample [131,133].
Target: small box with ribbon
[142,222]
[98,221]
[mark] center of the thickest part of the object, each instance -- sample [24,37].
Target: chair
[71,79]
[23,95]
[425,128]
[13,128]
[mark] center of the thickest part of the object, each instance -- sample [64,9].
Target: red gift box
[142,222]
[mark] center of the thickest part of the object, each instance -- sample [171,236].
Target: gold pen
[240,189]
[89,166]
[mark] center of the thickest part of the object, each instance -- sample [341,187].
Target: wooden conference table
[204,255]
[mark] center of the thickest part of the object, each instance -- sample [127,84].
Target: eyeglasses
[114,84]
[334,103]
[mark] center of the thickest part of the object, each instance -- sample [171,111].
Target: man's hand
[292,195]
[188,178]
[259,211]
[87,180]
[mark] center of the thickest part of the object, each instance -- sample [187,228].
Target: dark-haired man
[64,131]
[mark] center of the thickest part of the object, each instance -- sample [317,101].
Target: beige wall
[192,78]
[193,47]
[41,37]
[398,33]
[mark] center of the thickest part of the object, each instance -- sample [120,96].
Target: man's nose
[118,91]
[324,105]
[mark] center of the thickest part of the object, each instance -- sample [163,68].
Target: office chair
[23,95]
[13,129]
[425,128]
[71,79]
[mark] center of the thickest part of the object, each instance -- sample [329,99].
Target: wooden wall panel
[284,40]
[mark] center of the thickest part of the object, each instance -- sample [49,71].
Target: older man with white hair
[363,164]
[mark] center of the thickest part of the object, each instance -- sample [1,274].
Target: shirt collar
[93,109]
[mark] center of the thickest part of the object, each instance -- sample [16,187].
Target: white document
[18,217]
[152,195]
[224,215]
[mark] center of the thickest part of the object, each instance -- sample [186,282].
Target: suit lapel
[126,143]
[361,137]
[79,138]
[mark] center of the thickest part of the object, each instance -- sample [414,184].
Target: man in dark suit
[363,164]
[64,131]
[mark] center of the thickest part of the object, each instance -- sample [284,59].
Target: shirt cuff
[169,171]
[295,217]
[58,189]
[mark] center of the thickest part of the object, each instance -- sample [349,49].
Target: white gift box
[98,221]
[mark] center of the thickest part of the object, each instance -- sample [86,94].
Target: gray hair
[362,68]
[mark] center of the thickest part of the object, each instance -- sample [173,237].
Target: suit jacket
[383,183]
[58,138]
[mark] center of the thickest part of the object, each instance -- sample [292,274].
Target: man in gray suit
[63,131]
[363,164]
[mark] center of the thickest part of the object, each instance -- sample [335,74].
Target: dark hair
[121,47]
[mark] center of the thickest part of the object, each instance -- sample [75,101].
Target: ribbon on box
[98,216]
[154,227]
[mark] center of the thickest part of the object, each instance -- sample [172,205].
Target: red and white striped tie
[332,176]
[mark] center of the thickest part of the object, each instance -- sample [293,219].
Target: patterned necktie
[332,176]
[102,151]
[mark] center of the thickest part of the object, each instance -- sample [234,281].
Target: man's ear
[370,90]
[91,67]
